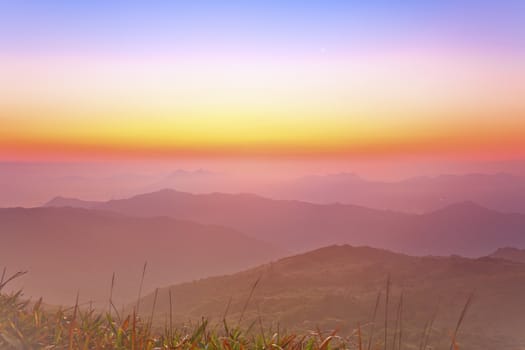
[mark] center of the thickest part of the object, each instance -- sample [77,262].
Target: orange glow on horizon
[367,107]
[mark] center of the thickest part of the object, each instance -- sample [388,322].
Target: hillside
[336,287]
[68,250]
[500,191]
[463,228]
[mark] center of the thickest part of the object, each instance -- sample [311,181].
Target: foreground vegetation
[25,325]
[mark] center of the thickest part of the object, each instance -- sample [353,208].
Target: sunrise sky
[273,79]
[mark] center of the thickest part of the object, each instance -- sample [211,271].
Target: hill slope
[336,287]
[464,228]
[67,249]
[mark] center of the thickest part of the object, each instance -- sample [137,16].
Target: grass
[27,326]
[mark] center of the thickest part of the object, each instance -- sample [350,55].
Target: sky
[338,80]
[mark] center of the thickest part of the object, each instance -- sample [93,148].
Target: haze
[159,158]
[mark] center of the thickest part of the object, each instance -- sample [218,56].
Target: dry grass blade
[134,331]
[398,325]
[386,309]
[171,315]
[261,326]
[150,323]
[3,275]
[119,318]
[224,322]
[9,279]
[428,329]
[111,293]
[111,304]
[400,345]
[72,324]
[326,342]
[141,285]
[248,299]
[460,320]
[374,315]
[227,308]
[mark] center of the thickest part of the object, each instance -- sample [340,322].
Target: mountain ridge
[422,194]
[464,228]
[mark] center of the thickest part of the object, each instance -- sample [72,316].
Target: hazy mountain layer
[67,250]
[464,228]
[502,192]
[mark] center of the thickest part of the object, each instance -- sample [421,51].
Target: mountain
[70,202]
[69,249]
[336,288]
[195,181]
[31,184]
[511,254]
[503,192]
[463,228]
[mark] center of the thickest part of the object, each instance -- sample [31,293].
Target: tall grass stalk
[248,300]
[387,296]
[140,286]
[374,315]
[460,320]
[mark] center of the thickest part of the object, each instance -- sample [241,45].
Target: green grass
[25,325]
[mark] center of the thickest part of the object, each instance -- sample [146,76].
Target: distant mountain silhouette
[31,184]
[336,288]
[70,249]
[462,228]
[416,195]
[511,254]
[199,180]
[70,202]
